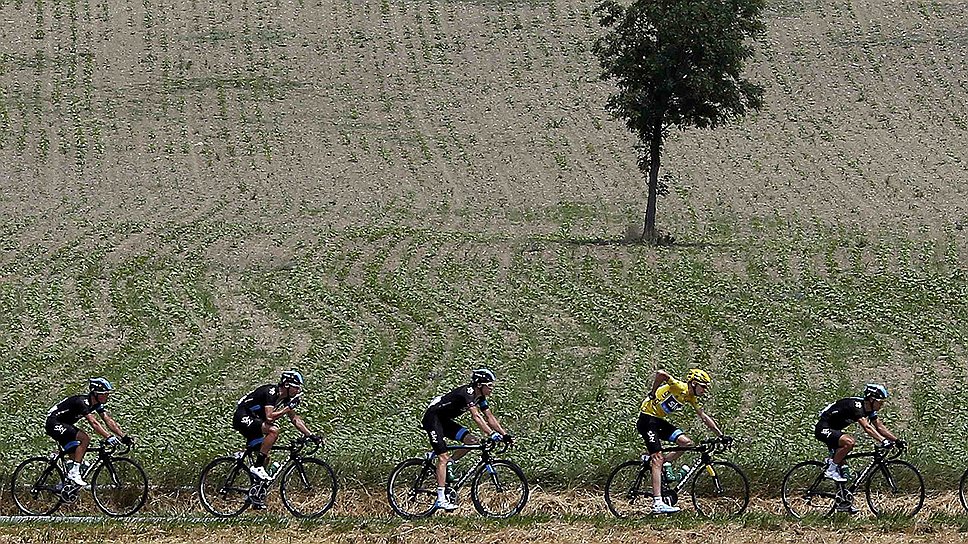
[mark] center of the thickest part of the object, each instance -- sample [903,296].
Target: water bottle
[668,474]
[273,469]
[682,472]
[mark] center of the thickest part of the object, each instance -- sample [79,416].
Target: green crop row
[382,319]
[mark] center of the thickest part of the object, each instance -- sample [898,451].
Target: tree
[676,63]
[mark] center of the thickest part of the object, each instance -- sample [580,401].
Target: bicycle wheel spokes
[37,486]
[499,489]
[720,490]
[224,487]
[412,489]
[628,491]
[119,487]
[806,492]
[308,488]
[895,489]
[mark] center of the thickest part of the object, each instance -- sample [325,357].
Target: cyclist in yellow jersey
[670,395]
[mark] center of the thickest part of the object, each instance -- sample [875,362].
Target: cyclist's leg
[250,428]
[845,444]
[83,441]
[648,427]
[435,434]
[270,435]
[680,439]
[461,434]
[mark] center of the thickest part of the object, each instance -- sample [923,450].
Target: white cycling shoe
[833,473]
[260,473]
[663,508]
[445,505]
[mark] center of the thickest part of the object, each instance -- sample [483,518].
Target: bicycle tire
[119,487]
[412,488]
[308,487]
[963,490]
[895,488]
[720,489]
[628,490]
[35,486]
[223,487]
[499,489]
[806,492]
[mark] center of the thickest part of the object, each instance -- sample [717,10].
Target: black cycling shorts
[249,425]
[438,429]
[64,434]
[828,435]
[654,430]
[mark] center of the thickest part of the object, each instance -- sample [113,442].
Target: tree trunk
[650,234]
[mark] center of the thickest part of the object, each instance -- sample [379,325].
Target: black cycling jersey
[254,402]
[844,412]
[72,409]
[455,403]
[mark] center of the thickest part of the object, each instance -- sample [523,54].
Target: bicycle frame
[298,449]
[845,490]
[706,449]
[484,460]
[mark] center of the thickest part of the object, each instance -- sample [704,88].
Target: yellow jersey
[671,396]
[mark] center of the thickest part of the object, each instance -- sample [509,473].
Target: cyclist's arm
[96,425]
[661,377]
[112,424]
[709,421]
[870,430]
[481,423]
[272,414]
[879,425]
[297,422]
[493,422]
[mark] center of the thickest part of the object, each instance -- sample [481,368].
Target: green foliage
[381,320]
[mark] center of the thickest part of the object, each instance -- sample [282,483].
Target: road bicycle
[499,488]
[118,483]
[718,488]
[892,487]
[307,485]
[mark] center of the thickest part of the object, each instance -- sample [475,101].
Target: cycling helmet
[875,391]
[699,376]
[99,385]
[482,376]
[291,377]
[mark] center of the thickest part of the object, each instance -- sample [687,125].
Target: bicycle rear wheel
[119,487]
[895,488]
[36,486]
[412,488]
[308,488]
[720,489]
[963,490]
[224,487]
[499,489]
[806,492]
[628,490]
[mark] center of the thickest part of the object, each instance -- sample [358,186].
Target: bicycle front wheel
[895,489]
[224,487]
[119,487]
[412,489]
[628,490]
[36,486]
[806,492]
[499,489]
[720,489]
[308,488]
[963,490]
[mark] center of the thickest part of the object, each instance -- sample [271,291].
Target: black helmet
[875,391]
[482,376]
[99,385]
[291,377]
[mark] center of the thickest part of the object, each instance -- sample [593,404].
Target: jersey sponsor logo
[433,436]
[671,404]
[246,420]
[826,432]
[272,390]
[651,435]
[858,405]
[59,428]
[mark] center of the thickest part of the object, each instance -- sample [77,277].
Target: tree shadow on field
[668,242]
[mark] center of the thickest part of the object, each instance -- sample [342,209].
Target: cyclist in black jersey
[839,415]
[256,415]
[439,423]
[63,416]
